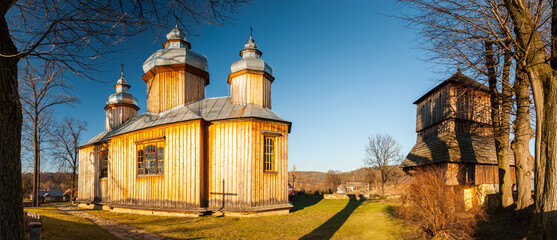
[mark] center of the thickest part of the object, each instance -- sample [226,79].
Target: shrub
[438,209]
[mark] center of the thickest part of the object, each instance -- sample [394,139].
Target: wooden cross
[223,194]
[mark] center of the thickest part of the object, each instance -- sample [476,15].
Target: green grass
[60,225]
[311,218]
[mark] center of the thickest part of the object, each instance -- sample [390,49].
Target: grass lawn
[60,225]
[313,218]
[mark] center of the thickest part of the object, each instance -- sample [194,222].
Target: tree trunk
[76,161]
[521,142]
[543,80]
[500,118]
[549,150]
[383,184]
[36,161]
[11,198]
[504,151]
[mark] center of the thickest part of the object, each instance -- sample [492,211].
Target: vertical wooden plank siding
[236,165]
[432,109]
[168,89]
[86,177]
[177,188]
[467,109]
[251,88]
[234,178]
[117,115]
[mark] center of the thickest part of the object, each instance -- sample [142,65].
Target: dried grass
[438,209]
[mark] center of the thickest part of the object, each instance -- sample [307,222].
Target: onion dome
[251,59]
[176,50]
[122,96]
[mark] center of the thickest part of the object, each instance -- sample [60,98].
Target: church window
[160,160]
[140,157]
[103,157]
[150,158]
[269,157]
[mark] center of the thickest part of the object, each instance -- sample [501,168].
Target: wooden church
[453,122]
[190,155]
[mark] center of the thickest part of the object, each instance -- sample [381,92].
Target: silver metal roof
[251,59]
[211,109]
[122,95]
[176,52]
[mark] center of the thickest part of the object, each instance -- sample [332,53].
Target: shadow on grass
[302,202]
[505,224]
[58,228]
[331,226]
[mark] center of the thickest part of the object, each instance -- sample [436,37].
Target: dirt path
[119,230]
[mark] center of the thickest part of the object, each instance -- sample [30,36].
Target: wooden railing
[30,217]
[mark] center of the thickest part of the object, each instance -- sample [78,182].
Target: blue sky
[344,70]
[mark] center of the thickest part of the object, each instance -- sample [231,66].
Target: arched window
[150,157]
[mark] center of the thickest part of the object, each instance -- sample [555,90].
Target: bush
[438,209]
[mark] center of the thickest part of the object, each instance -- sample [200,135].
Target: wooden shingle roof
[451,147]
[457,78]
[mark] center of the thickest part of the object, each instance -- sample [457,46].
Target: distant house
[357,186]
[352,187]
[341,188]
[51,196]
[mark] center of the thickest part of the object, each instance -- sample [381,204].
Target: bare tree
[332,179]
[66,139]
[39,92]
[294,176]
[383,153]
[77,34]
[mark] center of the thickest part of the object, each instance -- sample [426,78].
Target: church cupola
[175,75]
[121,105]
[250,78]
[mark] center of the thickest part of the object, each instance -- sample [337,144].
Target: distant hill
[48,181]
[315,181]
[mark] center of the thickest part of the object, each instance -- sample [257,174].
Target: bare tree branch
[383,153]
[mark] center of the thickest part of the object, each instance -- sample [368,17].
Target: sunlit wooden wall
[250,87]
[236,165]
[171,86]
[180,185]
